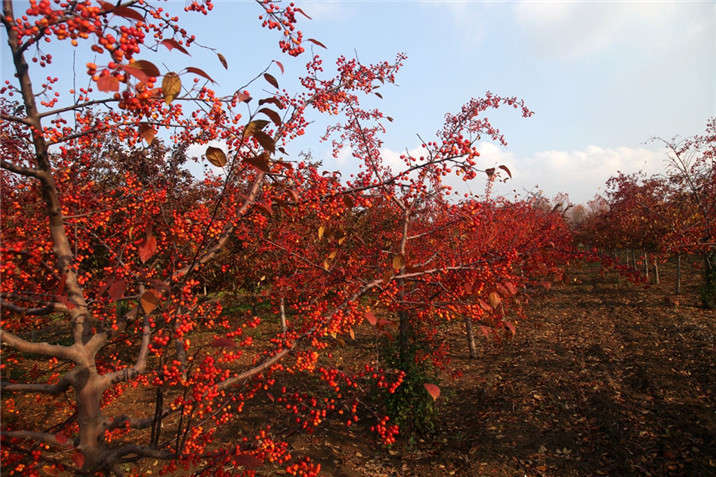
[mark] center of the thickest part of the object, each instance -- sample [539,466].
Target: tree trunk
[656,271]
[404,337]
[708,293]
[677,289]
[646,265]
[284,326]
[470,337]
[91,422]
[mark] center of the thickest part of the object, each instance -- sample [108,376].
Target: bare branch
[23,171]
[43,310]
[67,380]
[64,352]
[37,436]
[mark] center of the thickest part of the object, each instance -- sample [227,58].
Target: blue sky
[602,77]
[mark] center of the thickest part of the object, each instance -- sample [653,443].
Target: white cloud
[580,173]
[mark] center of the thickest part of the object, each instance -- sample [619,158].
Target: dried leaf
[494,299]
[200,72]
[147,132]
[149,301]
[242,97]
[265,140]
[302,13]
[321,231]
[171,44]
[280,66]
[171,86]
[107,83]
[146,67]
[272,81]
[117,289]
[147,248]
[260,162]
[503,167]
[216,156]
[273,100]
[371,318]
[273,115]
[122,11]
[316,42]
[484,305]
[223,61]
[254,126]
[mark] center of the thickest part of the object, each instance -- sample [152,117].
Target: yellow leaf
[171,86]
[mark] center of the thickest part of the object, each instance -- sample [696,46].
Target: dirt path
[604,379]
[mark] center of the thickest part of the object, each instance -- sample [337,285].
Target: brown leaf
[273,115]
[484,305]
[171,44]
[494,299]
[107,83]
[254,126]
[275,101]
[171,87]
[243,97]
[200,72]
[148,248]
[146,67]
[504,168]
[265,140]
[149,301]
[116,289]
[321,231]
[216,156]
[302,13]
[160,285]
[316,42]
[268,77]
[260,162]
[223,61]
[371,318]
[280,66]
[147,132]
[490,172]
[122,11]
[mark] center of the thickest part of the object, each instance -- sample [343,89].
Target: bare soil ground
[604,378]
